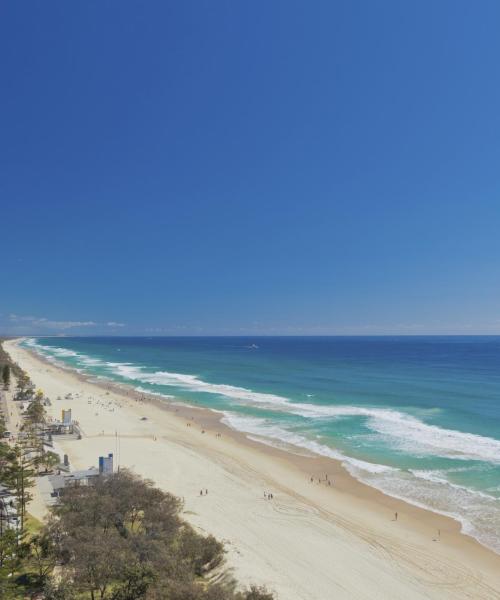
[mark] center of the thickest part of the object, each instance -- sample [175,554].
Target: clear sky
[267,167]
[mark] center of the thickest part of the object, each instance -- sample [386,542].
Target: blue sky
[250,167]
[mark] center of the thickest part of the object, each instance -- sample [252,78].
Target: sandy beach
[312,541]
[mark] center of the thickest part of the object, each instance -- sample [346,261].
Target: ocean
[415,417]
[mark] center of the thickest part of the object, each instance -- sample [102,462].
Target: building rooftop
[60,481]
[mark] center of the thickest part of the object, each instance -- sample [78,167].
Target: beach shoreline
[335,523]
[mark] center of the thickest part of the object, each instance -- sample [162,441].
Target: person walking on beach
[395,516]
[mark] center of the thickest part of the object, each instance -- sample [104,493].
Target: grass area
[32,525]
[26,577]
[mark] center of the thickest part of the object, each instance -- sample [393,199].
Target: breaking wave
[399,430]
[478,512]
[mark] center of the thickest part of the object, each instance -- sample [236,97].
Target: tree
[8,546]
[60,589]
[137,580]
[96,562]
[23,381]
[203,554]
[122,539]
[6,377]
[258,593]
[42,555]
[49,460]
[6,457]
[9,562]
[18,475]
[36,411]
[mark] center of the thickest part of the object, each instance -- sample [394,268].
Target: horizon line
[248,335]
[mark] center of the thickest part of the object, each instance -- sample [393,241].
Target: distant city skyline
[221,169]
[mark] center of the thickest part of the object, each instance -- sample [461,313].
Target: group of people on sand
[108,405]
[268,496]
[204,494]
[217,435]
[326,480]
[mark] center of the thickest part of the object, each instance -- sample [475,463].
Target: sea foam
[397,429]
[478,512]
[400,430]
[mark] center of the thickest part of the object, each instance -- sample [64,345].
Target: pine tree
[9,562]
[6,377]
[19,477]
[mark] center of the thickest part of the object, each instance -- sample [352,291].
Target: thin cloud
[52,324]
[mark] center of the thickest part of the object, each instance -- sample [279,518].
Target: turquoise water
[417,417]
